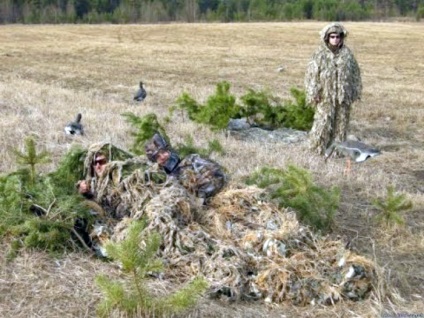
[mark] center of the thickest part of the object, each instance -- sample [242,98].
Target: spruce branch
[137,256]
[30,157]
[391,207]
[144,129]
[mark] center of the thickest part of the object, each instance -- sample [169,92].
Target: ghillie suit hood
[333,28]
[125,179]
[111,152]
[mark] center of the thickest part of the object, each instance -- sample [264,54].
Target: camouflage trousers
[331,122]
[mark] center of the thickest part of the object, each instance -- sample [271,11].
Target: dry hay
[247,248]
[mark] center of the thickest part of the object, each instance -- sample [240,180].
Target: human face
[334,39]
[162,157]
[99,164]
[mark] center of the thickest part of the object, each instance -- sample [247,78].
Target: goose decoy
[141,93]
[281,69]
[354,150]
[75,127]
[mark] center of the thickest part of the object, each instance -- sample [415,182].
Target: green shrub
[297,115]
[39,211]
[144,129]
[266,177]
[391,207]
[189,148]
[30,157]
[294,187]
[258,107]
[131,296]
[217,111]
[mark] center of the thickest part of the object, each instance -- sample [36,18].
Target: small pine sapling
[314,205]
[295,188]
[30,157]
[391,207]
[261,109]
[265,177]
[298,115]
[40,211]
[187,103]
[220,108]
[217,111]
[144,129]
[136,254]
[189,148]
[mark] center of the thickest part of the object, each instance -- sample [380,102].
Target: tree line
[153,11]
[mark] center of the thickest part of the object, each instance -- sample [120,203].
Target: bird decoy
[141,93]
[75,127]
[354,150]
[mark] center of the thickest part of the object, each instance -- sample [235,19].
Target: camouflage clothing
[157,144]
[124,181]
[333,83]
[201,177]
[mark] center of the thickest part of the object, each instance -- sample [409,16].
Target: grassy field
[50,73]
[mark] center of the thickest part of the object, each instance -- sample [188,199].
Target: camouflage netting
[246,247]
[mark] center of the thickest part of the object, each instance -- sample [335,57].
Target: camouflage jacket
[201,177]
[333,76]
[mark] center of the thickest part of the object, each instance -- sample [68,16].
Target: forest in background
[156,11]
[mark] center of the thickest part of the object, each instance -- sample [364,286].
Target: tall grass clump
[314,205]
[136,254]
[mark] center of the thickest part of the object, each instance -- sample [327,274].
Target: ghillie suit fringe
[247,248]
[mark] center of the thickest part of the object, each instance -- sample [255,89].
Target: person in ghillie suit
[333,83]
[113,178]
[201,177]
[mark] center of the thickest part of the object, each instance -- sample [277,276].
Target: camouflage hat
[154,145]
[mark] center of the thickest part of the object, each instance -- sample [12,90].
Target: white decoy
[354,150]
[75,127]
[281,69]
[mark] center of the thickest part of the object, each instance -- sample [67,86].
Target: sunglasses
[334,36]
[100,162]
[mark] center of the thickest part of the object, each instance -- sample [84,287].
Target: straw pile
[247,248]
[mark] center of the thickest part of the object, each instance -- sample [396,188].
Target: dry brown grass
[49,73]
